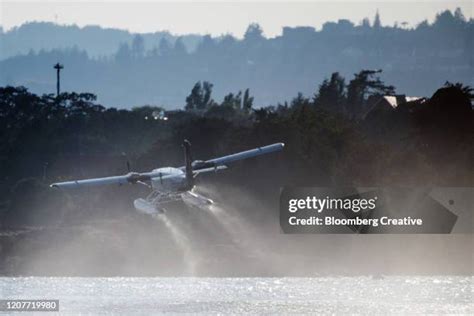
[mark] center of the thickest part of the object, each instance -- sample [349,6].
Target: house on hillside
[379,105]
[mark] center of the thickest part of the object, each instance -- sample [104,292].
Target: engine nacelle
[200,164]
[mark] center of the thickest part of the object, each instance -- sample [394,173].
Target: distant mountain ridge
[95,40]
[126,70]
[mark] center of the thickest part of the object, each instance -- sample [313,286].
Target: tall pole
[58,68]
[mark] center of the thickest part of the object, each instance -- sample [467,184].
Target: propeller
[129,169]
[145,184]
[134,177]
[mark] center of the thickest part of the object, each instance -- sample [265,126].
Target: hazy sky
[219,17]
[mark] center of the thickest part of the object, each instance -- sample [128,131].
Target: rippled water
[341,295]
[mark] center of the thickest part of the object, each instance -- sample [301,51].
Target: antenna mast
[58,68]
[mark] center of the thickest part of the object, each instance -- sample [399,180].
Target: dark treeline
[331,138]
[154,68]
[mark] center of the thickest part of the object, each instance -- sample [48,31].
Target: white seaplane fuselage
[169,179]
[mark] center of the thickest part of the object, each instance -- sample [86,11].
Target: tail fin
[188,160]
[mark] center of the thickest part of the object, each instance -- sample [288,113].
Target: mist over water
[182,242]
[237,236]
[232,225]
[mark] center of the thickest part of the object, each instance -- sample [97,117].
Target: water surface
[328,295]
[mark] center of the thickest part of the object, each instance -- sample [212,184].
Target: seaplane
[170,184]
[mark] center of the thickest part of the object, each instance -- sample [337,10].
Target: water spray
[181,240]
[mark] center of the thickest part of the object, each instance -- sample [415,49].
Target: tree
[247,102]
[200,98]
[459,16]
[254,33]
[331,93]
[377,23]
[179,49]
[449,22]
[300,101]
[366,82]
[227,43]
[138,46]
[233,100]
[207,46]
[164,47]
[365,24]
[467,91]
[123,54]
[231,105]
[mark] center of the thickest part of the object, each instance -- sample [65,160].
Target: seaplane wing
[222,161]
[92,182]
[132,177]
[171,179]
[246,154]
